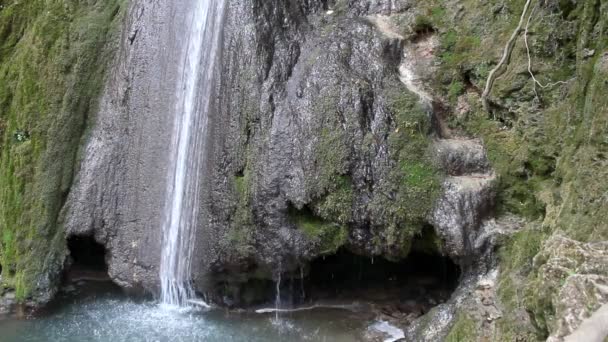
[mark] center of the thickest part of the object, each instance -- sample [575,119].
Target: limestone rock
[466,201]
[573,277]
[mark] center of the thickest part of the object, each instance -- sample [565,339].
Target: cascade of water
[192,98]
[303,291]
[277,301]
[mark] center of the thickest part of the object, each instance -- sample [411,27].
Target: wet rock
[7,302]
[310,111]
[592,329]
[69,289]
[485,296]
[475,296]
[462,156]
[119,191]
[466,201]
[303,106]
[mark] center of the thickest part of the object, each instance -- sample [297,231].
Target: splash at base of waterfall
[89,314]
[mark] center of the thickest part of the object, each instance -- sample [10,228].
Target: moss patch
[242,229]
[464,330]
[53,58]
[548,147]
[327,235]
[405,198]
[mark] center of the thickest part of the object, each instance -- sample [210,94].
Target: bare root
[498,69]
[536,82]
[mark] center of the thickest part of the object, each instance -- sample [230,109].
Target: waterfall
[192,101]
[277,300]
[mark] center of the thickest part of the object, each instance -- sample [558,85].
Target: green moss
[516,258]
[330,186]
[52,65]
[337,205]
[242,229]
[417,178]
[456,89]
[406,195]
[331,152]
[548,148]
[423,23]
[464,330]
[417,174]
[327,235]
[523,173]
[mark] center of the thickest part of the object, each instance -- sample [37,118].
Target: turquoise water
[112,317]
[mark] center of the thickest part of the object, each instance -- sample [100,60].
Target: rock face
[467,198]
[334,125]
[323,136]
[316,133]
[119,192]
[573,279]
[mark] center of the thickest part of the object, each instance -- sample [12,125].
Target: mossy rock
[53,58]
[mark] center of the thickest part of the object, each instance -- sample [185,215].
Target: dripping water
[277,301]
[192,99]
[303,292]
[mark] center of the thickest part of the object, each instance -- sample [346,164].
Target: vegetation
[547,144]
[328,236]
[464,330]
[406,196]
[52,62]
[241,232]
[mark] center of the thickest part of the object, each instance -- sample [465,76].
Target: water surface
[110,316]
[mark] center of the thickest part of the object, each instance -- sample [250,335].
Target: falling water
[303,291]
[277,300]
[192,97]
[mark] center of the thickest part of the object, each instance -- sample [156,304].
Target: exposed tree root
[498,70]
[536,82]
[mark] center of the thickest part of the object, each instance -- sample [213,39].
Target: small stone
[588,53]
[485,284]
[462,107]
[69,288]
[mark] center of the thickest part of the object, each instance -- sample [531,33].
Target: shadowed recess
[86,254]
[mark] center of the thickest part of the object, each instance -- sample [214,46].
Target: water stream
[192,98]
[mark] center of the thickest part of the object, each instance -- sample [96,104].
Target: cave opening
[409,287]
[87,259]
[349,276]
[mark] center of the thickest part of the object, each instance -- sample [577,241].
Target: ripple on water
[114,320]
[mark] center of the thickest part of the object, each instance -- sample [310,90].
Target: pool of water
[109,316]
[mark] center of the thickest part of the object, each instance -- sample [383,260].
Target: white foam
[394,333]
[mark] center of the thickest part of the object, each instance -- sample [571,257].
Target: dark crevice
[419,277]
[87,260]
[410,286]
